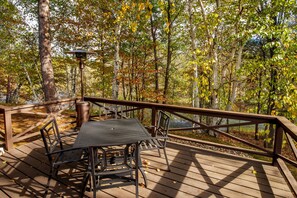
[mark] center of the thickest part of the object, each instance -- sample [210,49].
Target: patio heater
[80,55]
[82,108]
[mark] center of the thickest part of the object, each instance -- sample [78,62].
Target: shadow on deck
[195,173]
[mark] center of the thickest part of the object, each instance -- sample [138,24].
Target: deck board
[195,173]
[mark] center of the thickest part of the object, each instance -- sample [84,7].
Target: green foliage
[260,80]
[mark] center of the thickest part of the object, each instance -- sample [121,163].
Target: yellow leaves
[204,81]
[125,7]
[149,5]
[145,162]
[167,27]
[141,6]
[133,26]
[273,112]
[106,14]
[89,34]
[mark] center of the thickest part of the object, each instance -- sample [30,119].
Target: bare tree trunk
[154,36]
[196,101]
[143,86]
[8,89]
[47,72]
[195,93]
[123,82]
[31,84]
[235,80]
[169,52]
[115,82]
[215,68]
[213,53]
[14,97]
[103,64]
[73,74]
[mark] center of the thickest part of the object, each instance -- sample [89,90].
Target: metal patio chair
[158,141]
[54,148]
[110,167]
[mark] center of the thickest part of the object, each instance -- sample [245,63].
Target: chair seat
[70,156]
[111,167]
[151,144]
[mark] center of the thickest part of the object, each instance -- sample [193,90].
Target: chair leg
[164,149]
[140,167]
[85,183]
[54,171]
[47,185]
[144,176]
[94,186]
[159,152]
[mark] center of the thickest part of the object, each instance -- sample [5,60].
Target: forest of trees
[238,55]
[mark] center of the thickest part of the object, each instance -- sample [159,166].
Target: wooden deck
[195,173]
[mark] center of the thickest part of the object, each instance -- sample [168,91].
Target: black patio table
[113,132]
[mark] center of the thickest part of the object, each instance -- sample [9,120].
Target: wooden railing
[281,127]
[35,109]
[215,121]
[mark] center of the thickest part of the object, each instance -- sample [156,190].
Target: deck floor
[194,173]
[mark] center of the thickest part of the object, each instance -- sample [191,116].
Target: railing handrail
[184,109]
[284,122]
[8,111]
[282,125]
[33,106]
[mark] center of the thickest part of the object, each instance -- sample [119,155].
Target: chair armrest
[159,137]
[64,150]
[69,133]
[150,127]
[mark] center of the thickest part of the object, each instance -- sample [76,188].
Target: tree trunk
[14,97]
[235,80]
[213,53]
[103,64]
[196,101]
[47,72]
[115,82]
[169,52]
[215,66]
[195,93]
[31,84]
[123,82]
[8,89]
[154,36]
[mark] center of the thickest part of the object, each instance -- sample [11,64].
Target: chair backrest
[162,124]
[51,137]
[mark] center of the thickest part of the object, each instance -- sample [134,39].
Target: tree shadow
[30,173]
[206,180]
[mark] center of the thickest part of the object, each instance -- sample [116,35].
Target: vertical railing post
[277,143]
[8,130]
[257,131]
[154,114]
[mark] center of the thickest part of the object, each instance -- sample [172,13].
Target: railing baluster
[278,140]
[8,130]
[257,132]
